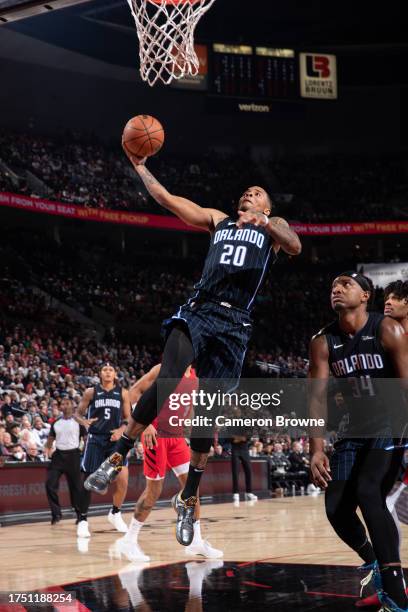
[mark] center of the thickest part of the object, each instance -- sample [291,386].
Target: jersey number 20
[233,255]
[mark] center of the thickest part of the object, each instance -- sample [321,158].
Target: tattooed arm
[186,210]
[282,235]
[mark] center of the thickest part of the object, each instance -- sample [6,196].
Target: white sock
[196,585]
[135,595]
[197,533]
[129,582]
[134,528]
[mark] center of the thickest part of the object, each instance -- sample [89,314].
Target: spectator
[298,460]
[40,432]
[33,455]
[15,432]
[6,444]
[218,450]
[280,462]
[25,422]
[139,454]
[16,454]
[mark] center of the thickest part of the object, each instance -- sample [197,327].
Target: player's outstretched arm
[284,236]
[143,384]
[186,210]
[319,376]
[135,393]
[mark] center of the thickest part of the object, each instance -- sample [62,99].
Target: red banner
[22,487]
[106,215]
[350,228]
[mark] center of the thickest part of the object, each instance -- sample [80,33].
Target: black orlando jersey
[106,406]
[236,264]
[358,362]
[360,355]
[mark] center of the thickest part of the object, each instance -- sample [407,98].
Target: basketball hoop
[165,29]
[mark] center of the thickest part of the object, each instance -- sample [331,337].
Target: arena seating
[80,170]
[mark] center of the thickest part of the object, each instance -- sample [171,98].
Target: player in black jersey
[214,327]
[396,302]
[357,348]
[396,307]
[107,409]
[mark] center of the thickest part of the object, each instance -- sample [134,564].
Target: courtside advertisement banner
[318,76]
[384,273]
[22,486]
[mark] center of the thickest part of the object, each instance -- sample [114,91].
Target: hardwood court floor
[289,530]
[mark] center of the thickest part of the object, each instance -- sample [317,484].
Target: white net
[166,37]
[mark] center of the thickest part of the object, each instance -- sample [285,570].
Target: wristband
[266,219]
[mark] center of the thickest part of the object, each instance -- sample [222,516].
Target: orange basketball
[143,136]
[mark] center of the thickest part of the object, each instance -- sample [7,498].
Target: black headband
[360,279]
[107,363]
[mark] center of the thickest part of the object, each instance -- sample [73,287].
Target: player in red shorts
[395,306]
[160,455]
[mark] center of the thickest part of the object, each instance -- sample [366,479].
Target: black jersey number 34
[361,386]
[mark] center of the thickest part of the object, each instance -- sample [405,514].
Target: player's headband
[360,279]
[107,363]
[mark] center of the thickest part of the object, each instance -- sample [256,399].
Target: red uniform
[170,452]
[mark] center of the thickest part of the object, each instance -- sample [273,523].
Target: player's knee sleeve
[201,445]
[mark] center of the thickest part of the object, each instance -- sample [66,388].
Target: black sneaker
[55,519]
[105,474]
[185,518]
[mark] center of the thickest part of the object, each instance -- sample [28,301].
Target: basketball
[143,136]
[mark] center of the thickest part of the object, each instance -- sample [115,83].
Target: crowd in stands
[45,354]
[292,306]
[133,291]
[38,369]
[309,189]
[339,188]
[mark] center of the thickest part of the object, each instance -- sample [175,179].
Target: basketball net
[165,29]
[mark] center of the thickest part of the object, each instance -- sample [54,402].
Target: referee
[67,434]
